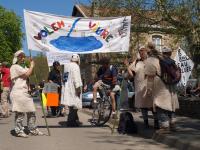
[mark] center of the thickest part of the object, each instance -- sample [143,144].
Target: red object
[52,99]
[5,77]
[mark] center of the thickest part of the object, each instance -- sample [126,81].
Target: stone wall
[189,106]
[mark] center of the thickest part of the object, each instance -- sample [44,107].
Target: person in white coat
[136,71]
[165,100]
[20,97]
[71,90]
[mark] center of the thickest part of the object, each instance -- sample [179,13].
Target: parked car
[87,97]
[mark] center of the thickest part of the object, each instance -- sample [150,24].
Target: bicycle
[102,108]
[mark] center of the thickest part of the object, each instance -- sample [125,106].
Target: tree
[10,34]
[180,18]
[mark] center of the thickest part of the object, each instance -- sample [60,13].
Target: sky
[59,7]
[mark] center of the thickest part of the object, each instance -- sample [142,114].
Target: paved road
[82,138]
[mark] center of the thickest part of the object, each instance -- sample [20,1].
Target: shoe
[79,123]
[163,131]
[36,132]
[73,124]
[114,115]
[22,134]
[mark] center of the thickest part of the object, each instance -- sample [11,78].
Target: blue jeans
[165,117]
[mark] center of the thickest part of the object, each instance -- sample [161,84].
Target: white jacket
[74,81]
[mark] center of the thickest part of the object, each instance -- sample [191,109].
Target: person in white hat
[21,100]
[71,90]
[136,71]
[165,100]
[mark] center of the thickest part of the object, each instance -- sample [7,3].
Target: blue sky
[59,7]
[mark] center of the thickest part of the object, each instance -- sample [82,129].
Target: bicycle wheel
[101,112]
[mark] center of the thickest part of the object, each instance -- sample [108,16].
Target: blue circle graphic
[76,44]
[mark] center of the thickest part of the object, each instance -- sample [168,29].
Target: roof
[81,11]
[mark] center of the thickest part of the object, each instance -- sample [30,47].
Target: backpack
[126,124]
[113,68]
[170,72]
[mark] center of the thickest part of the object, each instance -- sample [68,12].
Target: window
[157,40]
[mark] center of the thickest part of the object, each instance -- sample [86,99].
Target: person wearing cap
[6,83]
[165,100]
[71,90]
[136,71]
[55,77]
[107,74]
[20,97]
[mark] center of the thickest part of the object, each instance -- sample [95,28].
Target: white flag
[53,33]
[186,65]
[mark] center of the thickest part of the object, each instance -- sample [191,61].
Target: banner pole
[40,96]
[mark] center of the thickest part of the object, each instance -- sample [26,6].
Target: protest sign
[60,57]
[186,65]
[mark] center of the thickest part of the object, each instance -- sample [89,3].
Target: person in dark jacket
[55,77]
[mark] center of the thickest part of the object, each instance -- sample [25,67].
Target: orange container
[52,99]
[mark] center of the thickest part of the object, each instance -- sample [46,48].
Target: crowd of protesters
[151,93]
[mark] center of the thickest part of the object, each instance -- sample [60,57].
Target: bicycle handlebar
[105,85]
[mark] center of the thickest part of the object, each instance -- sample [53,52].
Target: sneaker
[22,134]
[114,115]
[36,132]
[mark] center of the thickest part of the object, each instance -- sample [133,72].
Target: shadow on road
[63,124]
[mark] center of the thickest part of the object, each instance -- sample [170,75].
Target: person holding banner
[71,90]
[136,71]
[165,100]
[20,97]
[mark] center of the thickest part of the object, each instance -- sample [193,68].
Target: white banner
[186,65]
[52,33]
[60,57]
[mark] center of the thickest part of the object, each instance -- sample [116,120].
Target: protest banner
[186,65]
[53,33]
[62,58]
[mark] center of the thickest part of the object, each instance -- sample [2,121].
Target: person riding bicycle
[107,74]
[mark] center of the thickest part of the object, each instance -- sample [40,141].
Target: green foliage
[10,34]
[180,18]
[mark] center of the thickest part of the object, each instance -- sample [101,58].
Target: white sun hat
[16,55]
[75,58]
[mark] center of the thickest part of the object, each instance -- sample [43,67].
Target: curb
[168,139]
[173,141]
